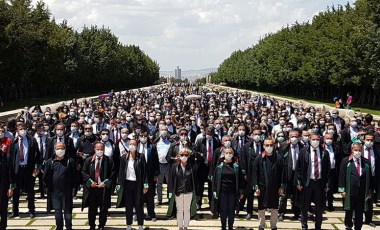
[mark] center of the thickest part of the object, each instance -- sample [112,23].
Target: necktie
[21,150]
[209,152]
[257,149]
[316,165]
[358,166]
[60,139]
[97,171]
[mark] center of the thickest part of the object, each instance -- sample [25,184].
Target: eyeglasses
[183,134]
[184,155]
[269,145]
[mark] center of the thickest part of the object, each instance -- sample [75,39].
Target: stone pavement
[44,221]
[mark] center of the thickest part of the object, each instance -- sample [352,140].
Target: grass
[20,104]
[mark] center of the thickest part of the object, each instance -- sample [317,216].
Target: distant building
[177,73]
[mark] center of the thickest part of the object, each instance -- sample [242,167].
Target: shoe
[158,203]
[129,227]
[296,217]
[281,217]
[141,227]
[214,216]
[330,209]
[370,223]
[248,216]
[32,215]
[14,215]
[135,217]
[199,207]
[154,219]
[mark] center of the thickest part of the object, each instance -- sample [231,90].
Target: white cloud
[193,34]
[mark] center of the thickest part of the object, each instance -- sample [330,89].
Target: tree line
[337,52]
[40,57]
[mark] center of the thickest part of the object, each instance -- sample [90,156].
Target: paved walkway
[43,221]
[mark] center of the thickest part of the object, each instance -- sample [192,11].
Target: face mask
[182,138]
[96,120]
[329,142]
[218,126]
[59,133]
[22,133]
[315,130]
[48,117]
[124,136]
[280,139]
[99,153]
[256,138]
[139,122]
[105,137]
[282,122]
[167,121]
[35,118]
[208,137]
[143,140]
[294,140]
[301,126]
[241,133]
[354,124]
[183,159]
[60,152]
[46,128]
[129,119]
[227,144]
[163,133]
[334,115]
[72,114]
[357,154]
[305,139]
[368,144]
[228,156]
[322,122]
[158,117]
[268,149]
[74,129]
[132,148]
[87,134]
[151,119]
[331,131]
[1,135]
[188,127]
[315,144]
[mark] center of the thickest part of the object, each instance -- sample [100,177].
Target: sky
[192,34]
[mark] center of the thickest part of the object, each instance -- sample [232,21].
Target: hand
[155,178]
[36,172]
[258,192]
[101,185]
[94,184]
[170,195]
[281,191]
[10,192]
[118,187]
[343,194]
[241,197]
[369,196]
[299,187]
[246,178]
[3,148]
[327,189]
[145,190]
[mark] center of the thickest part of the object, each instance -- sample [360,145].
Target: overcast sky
[193,34]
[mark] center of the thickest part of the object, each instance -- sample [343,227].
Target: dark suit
[345,141]
[23,174]
[375,181]
[334,174]
[313,190]
[70,150]
[5,180]
[235,144]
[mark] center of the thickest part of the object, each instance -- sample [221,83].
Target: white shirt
[61,139]
[356,165]
[123,146]
[131,174]
[207,147]
[372,154]
[162,150]
[43,137]
[331,155]
[100,167]
[353,132]
[312,153]
[25,145]
[108,150]
[294,151]
[145,147]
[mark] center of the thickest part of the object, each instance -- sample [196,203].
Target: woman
[132,184]
[227,187]
[181,189]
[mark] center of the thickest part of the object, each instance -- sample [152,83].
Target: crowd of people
[244,146]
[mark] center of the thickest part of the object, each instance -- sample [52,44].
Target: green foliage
[40,58]
[339,51]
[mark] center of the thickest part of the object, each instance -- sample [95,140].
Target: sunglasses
[184,155]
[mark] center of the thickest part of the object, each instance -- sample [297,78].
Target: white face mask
[182,138]
[104,137]
[132,148]
[163,134]
[368,144]
[208,137]
[99,153]
[329,142]
[354,124]
[227,144]
[59,133]
[241,133]
[294,140]
[48,117]
[96,120]
[22,133]
[331,131]
[184,159]
[315,144]
[167,121]
[128,118]
[124,136]
[305,139]
[256,138]
[228,156]
[1,135]
[357,154]
[60,152]
[268,149]
[74,129]
[87,134]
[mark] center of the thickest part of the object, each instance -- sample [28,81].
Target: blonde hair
[184,150]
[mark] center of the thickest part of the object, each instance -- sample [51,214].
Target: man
[86,143]
[26,162]
[371,155]
[176,146]
[240,140]
[355,186]
[337,121]
[250,151]
[335,159]
[60,137]
[206,147]
[6,190]
[162,146]
[99,123]
[347,136]
[97,176]
[42,142]
[152,171]
[290,153]
[267,182]
[312,172]
[59,179]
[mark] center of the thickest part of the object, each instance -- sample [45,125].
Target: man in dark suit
[250,151]
[240,140]
[97,176]
[26,162]
[312,172]
[206,148]
[355,186]
[347,135]
[153,171]
[60,137]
